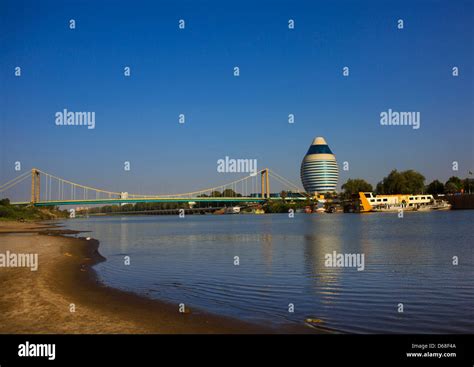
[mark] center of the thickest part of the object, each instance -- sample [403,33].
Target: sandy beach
[41,301]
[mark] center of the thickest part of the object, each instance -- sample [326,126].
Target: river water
[408,263]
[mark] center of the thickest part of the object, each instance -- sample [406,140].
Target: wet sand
[41,301]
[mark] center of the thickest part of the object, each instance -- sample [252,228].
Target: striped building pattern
[319,171]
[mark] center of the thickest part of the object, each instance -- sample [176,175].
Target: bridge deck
[157,200]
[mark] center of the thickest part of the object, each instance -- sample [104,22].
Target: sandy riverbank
[40,301]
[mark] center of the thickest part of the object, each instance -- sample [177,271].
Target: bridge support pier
[35,185]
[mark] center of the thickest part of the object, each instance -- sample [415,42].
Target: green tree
[450,187]
[127,207]
[456,181]
[468,185]
[415,182]
[405,182]
[435,188]
[354,186]
[5,201]
[229,193]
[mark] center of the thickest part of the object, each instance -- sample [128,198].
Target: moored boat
[397,202]
[232,210]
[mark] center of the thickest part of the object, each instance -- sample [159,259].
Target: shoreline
[40,302]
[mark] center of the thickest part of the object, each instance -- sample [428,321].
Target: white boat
[232,210]
[405,202]
[437,205]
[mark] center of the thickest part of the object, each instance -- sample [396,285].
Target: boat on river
[395,203]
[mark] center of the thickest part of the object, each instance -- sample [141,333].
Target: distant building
[123,196]
[319,171]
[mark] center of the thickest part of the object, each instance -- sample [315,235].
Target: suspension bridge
[50,190]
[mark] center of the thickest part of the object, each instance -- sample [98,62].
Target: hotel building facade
[319,170]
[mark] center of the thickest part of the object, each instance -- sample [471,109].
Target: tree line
[408,182]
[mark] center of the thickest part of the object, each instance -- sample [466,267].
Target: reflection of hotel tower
[319,172]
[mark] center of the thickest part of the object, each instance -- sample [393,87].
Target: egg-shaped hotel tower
[319,171]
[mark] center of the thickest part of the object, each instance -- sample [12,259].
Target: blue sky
[190,71]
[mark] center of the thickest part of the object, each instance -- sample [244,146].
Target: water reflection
[123,239]
[267,250]
[319,240]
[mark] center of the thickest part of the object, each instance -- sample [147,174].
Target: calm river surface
[282,261]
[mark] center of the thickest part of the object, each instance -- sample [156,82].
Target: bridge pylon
[264,177]
[35,185]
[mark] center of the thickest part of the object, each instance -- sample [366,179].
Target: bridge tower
[264,177]
[35,185]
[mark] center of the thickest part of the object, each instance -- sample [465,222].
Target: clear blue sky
[190,71]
